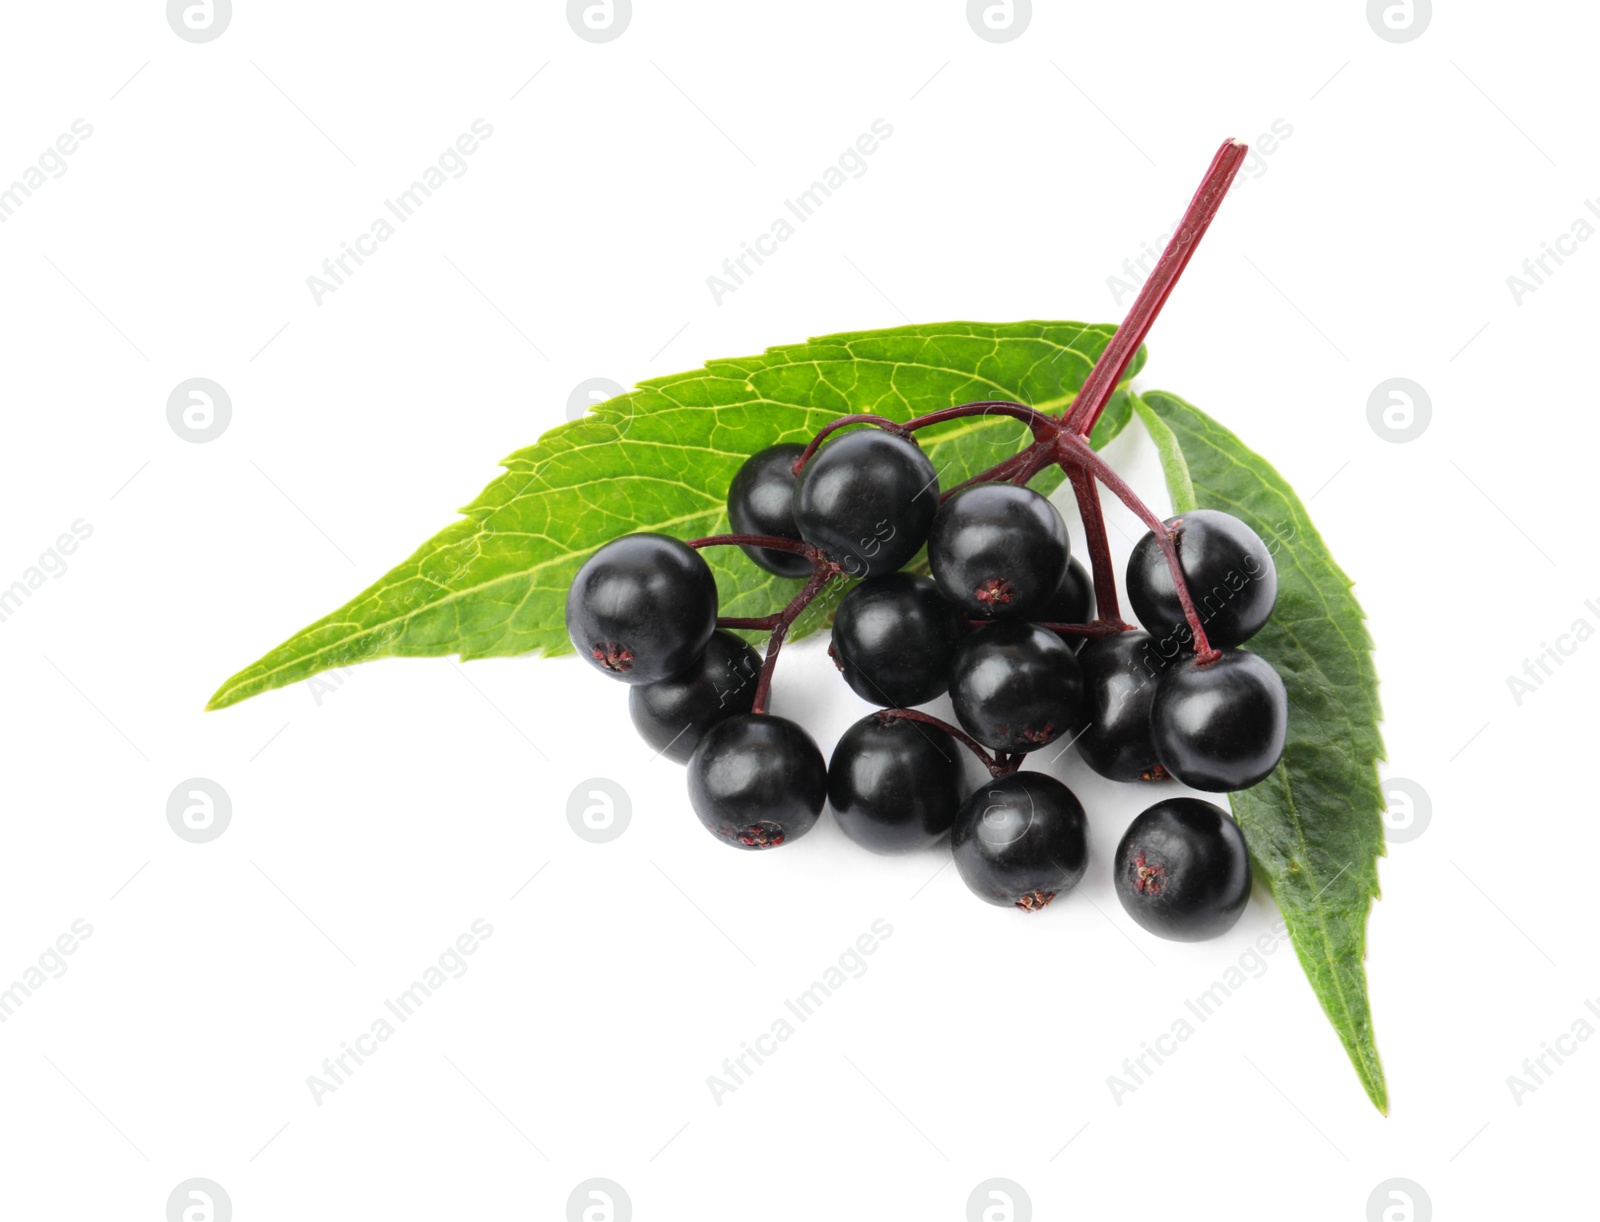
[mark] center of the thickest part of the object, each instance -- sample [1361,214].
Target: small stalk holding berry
[1031,649]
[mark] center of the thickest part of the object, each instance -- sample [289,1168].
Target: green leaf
[1170,452]
[660,459]
[1314,826]
[1113,419]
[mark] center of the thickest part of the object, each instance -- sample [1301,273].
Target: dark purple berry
[894,639]
[1220,725]
[1231,578]
[761,502]
[1073,601]
[1021,840]
[757,781]
[1017,687]
[895,784]
[867,498]
[1182,870]
[998,551]
[642,608]
[672,714]
[1120,673]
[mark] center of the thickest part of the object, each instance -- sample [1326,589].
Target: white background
[371,828]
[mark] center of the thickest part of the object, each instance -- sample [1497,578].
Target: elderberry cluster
[1006,625]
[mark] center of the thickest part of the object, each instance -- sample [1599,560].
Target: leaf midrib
[1328,957]
[563,556]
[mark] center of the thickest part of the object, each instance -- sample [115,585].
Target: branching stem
[1062,442]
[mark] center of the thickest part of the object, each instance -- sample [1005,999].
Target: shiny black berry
[757,781]
[642,608]
[1073,601]
[867,498]
[1220,726]
[1021,840]
[998,550]
[894,784]
[761,502]
[671,715]
[1182,870]
[1231,578]
[894,639]
[1119,680]
[1016,687]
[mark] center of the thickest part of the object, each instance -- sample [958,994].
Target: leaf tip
[222,698]
[1370,1071]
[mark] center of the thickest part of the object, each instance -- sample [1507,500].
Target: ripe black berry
[1232,580]
[998,550]
[1016,687]
[642,608]
[761,502]
[672,714]
[894,639]
[1221,725]
[1119,677]
[867,498]
[757,781]
[894,784]
[1182,870]
[1073,601]
[1021,840]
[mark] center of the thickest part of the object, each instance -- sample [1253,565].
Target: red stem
[777,543]
[1102,381]
[1039,456]
[833,426]
[823,571]
[1043,426]
[1095,631]
[1073,451]
[1094,528]
[1002,470]
[758,623]
[1063,442]
[998,766]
